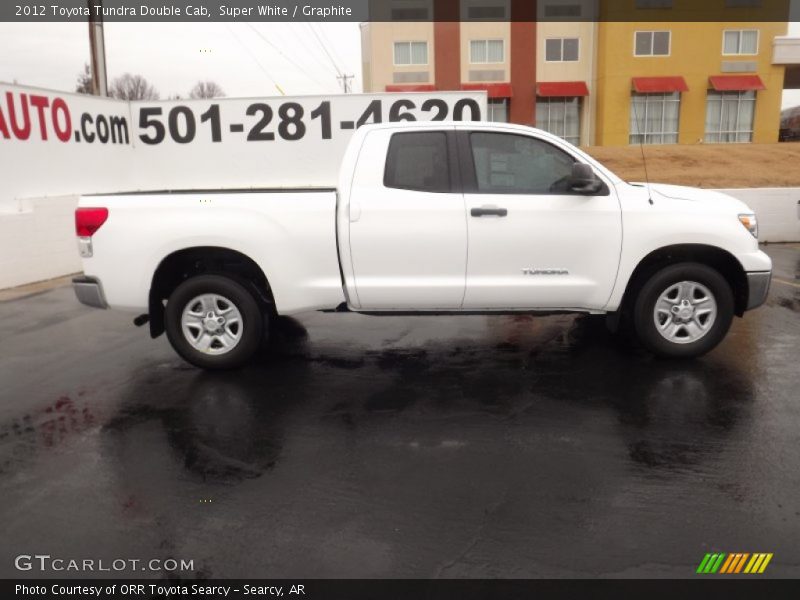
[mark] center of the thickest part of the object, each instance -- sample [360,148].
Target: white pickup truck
[428,218]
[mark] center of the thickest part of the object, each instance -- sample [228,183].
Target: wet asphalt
[401,447]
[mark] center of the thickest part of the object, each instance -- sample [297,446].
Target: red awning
[494,90]
[655,85]
[562,89]
[736,83]
[411,87]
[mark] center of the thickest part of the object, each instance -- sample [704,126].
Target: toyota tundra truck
[427,219]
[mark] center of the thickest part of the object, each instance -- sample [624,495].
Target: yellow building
[688,82]
[596,72]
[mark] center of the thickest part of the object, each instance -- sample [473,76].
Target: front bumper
[89,291]
[757,288]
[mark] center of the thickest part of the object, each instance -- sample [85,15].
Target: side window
[418,161]
[516,164]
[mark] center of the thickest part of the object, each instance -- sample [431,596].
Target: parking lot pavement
[401,447]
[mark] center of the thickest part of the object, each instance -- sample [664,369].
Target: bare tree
[84,83]
[132,87]
[206,89]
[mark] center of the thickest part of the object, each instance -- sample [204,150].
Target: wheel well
[183,264]
[717,258]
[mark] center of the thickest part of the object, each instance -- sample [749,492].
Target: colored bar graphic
[703,563]
[754,563]
[736,562]
[727,564]
[764,564]
[740,565]
[711,563]
[730,564]
[717,563]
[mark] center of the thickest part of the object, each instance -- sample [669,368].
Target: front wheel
[683,310]
[214,322]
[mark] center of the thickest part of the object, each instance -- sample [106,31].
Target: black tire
[252,321]
[645,304]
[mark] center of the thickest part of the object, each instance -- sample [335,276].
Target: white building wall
[777,210]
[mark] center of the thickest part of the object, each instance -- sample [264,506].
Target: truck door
[533,243]
[407,221]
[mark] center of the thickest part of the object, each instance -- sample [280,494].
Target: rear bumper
[89,291]
[758,287]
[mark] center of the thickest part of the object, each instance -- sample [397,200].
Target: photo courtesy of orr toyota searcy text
[159,591]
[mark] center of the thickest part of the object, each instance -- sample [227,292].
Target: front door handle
[489,211]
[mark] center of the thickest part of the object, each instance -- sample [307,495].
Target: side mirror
[583,179]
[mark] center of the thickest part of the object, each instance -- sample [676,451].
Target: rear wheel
[683,310]
[214,322]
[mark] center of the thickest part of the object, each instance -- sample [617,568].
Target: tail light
[89,220]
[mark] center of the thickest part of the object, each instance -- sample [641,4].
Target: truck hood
[710,198]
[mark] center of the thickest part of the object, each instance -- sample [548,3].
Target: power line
[332,47]
[343,77]
[258,62]
[278,50]
[325,50]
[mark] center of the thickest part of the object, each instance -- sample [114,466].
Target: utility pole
[345,79]
[97,48]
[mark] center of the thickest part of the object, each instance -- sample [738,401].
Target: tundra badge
[530,271]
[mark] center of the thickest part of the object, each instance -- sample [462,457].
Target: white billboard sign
[55,143]
[272,142]
[52,143]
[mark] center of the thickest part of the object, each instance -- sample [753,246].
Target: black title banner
[393,589]
[389,10]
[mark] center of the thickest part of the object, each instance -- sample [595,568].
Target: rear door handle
[489,211]
[355,211]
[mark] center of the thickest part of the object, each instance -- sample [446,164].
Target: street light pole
[97,48]
[345,79]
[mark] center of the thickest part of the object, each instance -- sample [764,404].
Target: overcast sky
[245,59]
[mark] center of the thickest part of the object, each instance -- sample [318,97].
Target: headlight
[750,223]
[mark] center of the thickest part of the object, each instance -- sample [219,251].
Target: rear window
[418,161]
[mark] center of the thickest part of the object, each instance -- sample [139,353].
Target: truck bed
[289,233]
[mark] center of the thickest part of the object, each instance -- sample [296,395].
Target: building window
[561,117]
[557,10]
[729,117]
[743,41]
[653,3]
[652,43]
[654,118]
[742,3]
[410,53]
[486,10]
[486,51]
[561,49]
[417,161]
[410,10]
[498,110]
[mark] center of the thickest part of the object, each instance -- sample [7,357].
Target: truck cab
[475,218]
